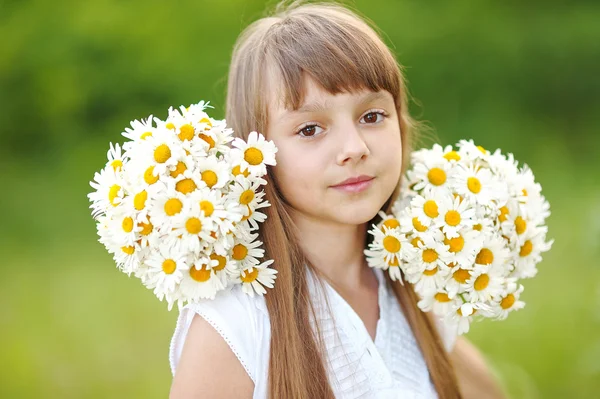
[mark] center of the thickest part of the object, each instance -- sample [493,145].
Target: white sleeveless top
[392,366]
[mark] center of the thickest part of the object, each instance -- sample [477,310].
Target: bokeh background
[521,76]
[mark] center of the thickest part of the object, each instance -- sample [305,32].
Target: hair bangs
[338,55]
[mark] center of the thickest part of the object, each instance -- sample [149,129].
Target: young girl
[320,83]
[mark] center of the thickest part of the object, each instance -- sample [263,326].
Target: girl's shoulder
[241,320]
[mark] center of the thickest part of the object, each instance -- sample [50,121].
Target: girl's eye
[309,131]
[373,117]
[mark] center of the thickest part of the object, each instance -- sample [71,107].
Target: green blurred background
[521,76]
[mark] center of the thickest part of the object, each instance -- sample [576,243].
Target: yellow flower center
[417,225]
[391,224]
[207,121]
[236,171]
[222,261]
[507,301]
[116,165]
[129,250]
[246,217]
[430,272]
[179,169]
[520,225]
[503,213]
[391,244]
[186,132]
[146,228]
[452,218]
[524,192]
[430,255]
[149,177]
[480,148]
[127,224]
[170,126]
[239,252]
[526,248]
[200,275]
[139,200]
[436,176]
[173,206]
[248,277]
[477,227]
[452,155]
[185,186]
[253,156]
[431,209]
[210,178]
[169,266]
[246,197]
[481,282]
[393,262]
[442,297]
[162,153]
[461,275]
[474,185]
[193,225]
[145,135]
[207,207]
[415,242]
[456,244]
[484,257]
[459,311]
[208,139]
[113,192]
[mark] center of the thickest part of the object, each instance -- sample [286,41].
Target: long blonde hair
[342,52]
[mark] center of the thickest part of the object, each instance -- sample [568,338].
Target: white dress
[392,366]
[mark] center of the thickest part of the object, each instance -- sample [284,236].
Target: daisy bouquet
[469,227]
[178,206]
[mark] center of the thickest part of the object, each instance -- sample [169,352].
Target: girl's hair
[341,52]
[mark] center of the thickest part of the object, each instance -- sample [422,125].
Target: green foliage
[521,76]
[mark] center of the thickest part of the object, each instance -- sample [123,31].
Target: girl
[320,83]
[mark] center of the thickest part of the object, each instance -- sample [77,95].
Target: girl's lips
[355,184]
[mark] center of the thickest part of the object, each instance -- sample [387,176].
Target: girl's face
[339,156]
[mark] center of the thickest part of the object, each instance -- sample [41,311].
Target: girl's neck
[335,249]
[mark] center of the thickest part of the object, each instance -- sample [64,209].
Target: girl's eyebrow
[320,106]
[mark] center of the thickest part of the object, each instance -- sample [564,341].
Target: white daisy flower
[246,193]
[455,215]
[162,150]
[433,176]
[440,303]
[479,185]
[494,252]
[116,158]
[456,281]
[123,226]
[430,253]
[485,283]
[200,282]
[464,247]
[431,281]
[390,246]
[109,190]
[426,209]
[534,243]
[254,155]
[509,302]
[247,251]
[214,174]
[166,267]
[468,151]
[191,231]
[255,278]
[166,206]
[139,131]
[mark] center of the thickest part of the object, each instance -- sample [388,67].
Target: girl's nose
[352,145]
